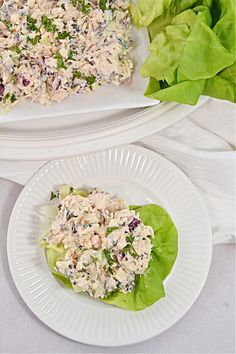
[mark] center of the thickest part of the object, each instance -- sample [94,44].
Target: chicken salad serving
[52,49]
[96,244]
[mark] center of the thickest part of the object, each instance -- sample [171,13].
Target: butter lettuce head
[192,43]
[149,287]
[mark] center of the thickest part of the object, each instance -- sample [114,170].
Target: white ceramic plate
[68,136]
[108,97]
[141,177]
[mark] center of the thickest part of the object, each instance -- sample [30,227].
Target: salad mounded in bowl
[96,244]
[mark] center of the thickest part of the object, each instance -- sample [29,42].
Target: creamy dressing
[106,243]
[51,49]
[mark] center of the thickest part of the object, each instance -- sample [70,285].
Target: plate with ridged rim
[141,177]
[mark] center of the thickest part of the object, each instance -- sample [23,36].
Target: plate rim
[126,343]
[17,145]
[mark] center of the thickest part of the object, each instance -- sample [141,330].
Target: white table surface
[208,327]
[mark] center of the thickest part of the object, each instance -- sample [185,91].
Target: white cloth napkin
[202,146]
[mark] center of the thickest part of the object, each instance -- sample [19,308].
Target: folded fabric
[212,172]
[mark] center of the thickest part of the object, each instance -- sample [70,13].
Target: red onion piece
[133,224]
[25,82]
[2,89]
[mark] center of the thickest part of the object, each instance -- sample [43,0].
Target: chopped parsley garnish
[63,7]
[84,7]
[31,24]
[129,248]
[10,97]
[53,196]
[103,4]
[71,190]
[14,78]
[110,270]
[94,259]
[34,40]
[130,239]
[13,98]
[48,24]
[90,80]
[6,97]
[15,49]
[63,35]
[8,24]
[77,74]
[108,256]
[71,55]
[111,229]
[60,60]
[74,2]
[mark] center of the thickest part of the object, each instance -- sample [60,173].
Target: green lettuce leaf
[203,47]
[223,85]
[55,254]
[66,189]
[147,10]
[148,289]
[176,7]
[160,64]
[46,214]
[187,48]
[187,92]
[225,26]
[165,242]
[153,87]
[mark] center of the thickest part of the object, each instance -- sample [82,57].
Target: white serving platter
[141,177]
[109,97]
[67,136]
